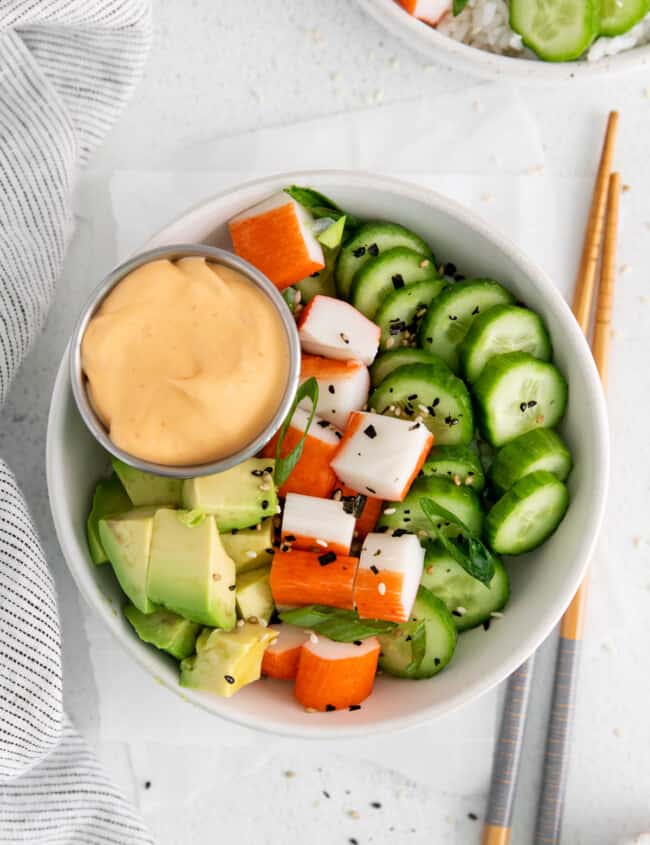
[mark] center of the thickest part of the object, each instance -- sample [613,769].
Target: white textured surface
[219,68]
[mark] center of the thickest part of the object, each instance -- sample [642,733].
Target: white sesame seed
[322,543]
[390,342]
[425,263]
[461,611]
[240,623]
[381,588]
[251,554]
[313,638]
[457,480]
[398,412]
[496,614]
[258,527]
[310,710]
[389,511]
[423,409]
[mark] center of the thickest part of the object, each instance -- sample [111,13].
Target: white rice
[485,24]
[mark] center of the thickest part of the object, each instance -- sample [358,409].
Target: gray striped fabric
[66,69]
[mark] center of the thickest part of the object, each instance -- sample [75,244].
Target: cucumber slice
[527,514]
[392,270]
[368,242]
[503,328]
[516,393]
[449,318]
[469,601]
[392,359]
[407,516]
[433,392]
[460,464]
[398,649]
[400,313]
[619,16]
[540,448]
[556,30]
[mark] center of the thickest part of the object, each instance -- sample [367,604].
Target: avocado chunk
[127,540]
[165,630]
[225,661]
[253,594]
[145,488]
[250,548]
[238,498]
[190,572]
[109,498]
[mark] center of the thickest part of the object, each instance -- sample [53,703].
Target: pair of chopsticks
[599,245]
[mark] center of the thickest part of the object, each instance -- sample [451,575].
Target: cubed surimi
[335,329]
[430,11]
[333,675]
[312,475]
[388,576]
[281,657]
[276,237]
[367,509]
[316,524]
[343,387]
[299,578]
[381,456]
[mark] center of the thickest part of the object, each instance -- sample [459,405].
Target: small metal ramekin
[216,256]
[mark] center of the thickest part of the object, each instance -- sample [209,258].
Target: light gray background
[218,68]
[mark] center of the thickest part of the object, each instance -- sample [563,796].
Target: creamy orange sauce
[186,362]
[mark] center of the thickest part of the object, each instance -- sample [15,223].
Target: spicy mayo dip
[186,362]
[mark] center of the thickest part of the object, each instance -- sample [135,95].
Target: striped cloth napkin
[67,68]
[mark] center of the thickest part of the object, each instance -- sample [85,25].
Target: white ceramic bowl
[542,583]
[447,51]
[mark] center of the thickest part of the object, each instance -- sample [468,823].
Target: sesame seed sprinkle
[381,588]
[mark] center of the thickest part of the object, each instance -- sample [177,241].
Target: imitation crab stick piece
[333,675]
[312,475]
[381,456]
[335,329]
[429,11]
[276,237]
[299,578]
[388,576]
[343,386]
[281,657]
[366,509]
[317,525]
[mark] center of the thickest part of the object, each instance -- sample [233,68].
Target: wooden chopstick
[556,757]
[498,817]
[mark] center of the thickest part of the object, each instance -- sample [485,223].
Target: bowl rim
[494,65]
[111,280]
[81,570]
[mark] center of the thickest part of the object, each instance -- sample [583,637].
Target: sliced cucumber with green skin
[368,242]
[460,464]
[540,448]
[390,360]
[392,270]
[619,16]
[516,393]
[407,516]
[527,514]
[401,312]
[449,318]
[398,650]
[556,30]
[433,392]
[500,329]
[468,600]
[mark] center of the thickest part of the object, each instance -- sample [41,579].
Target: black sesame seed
[234,530]
[400,532]
[522,407]
[373,249]
[323,423]
[353,841]
[472,816]
[331,388]
[359,251]
[429,339]
[381,529]
[436,661]
[329,708]
[229,679]
[407,519]
[258,473]
[398,281]
[374,569]
[328,557]
[353,707]
[453,317]
[449,269]
[268,469]
[290,538]
[370,490]
[356,642]
[285,548]
[532,403]
[269,551]
[370,431]
[436,402]
[456,613]
[413,427]
[476,310]
[375,804]
[409,638]
[486,625]
[338,435]
[325,792]
[314,275]
[265,504]
[147,784]
[232,587]
[407,510]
